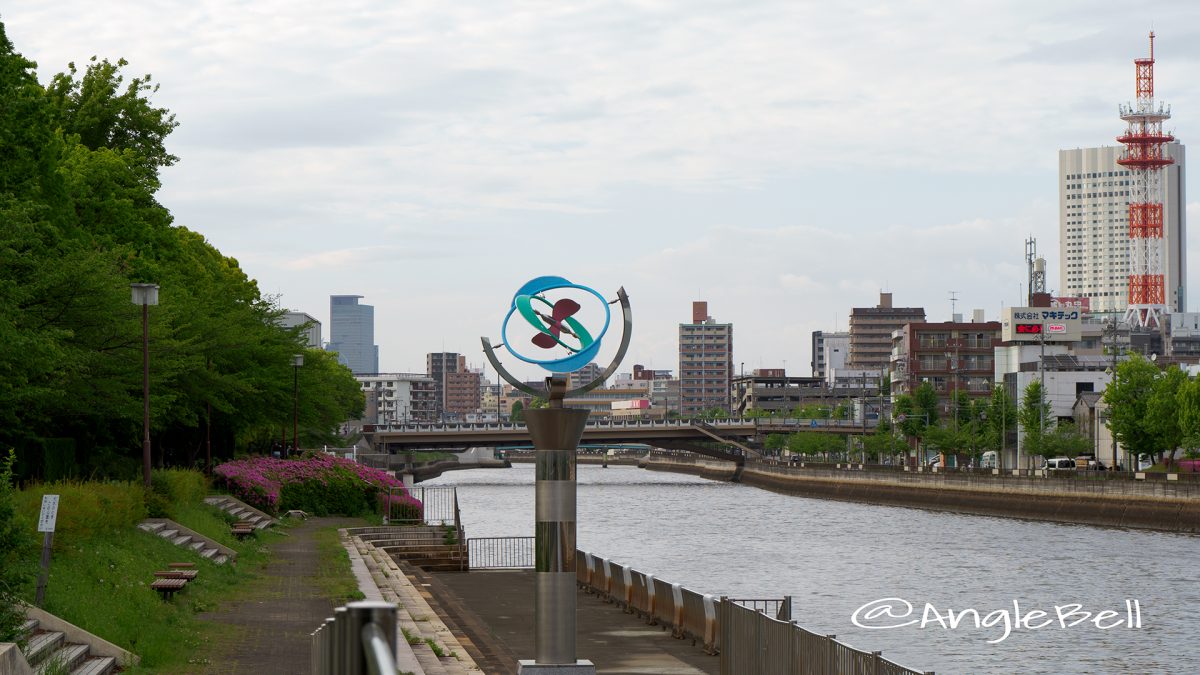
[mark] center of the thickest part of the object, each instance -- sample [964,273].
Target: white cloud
[784,160]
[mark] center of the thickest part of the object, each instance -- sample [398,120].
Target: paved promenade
[495,610]
[280,607]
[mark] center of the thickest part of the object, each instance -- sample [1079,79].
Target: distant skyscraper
[352,334]
[705,362]
[1094,193]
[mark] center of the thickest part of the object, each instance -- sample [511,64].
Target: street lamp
[297,361]
[145,295]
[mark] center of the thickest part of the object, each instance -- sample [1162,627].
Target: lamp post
[297,361]
[145,295]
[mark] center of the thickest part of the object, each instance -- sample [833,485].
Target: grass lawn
[333,576]
[102,584]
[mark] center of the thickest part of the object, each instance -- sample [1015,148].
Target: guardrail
[359,638]
[500,553]
[748,639]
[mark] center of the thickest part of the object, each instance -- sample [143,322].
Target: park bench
[182,565]
[167,587]
[242,529]
[186,575]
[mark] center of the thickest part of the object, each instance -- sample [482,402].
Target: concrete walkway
[282,606]
[495,609]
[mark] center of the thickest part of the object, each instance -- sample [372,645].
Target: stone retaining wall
[1034,498]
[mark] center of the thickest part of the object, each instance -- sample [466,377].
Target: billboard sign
[1037,324]
[1082,304]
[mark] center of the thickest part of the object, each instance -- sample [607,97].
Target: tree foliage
[79,163]
[1128,397]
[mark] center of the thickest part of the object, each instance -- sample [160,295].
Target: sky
[784,161]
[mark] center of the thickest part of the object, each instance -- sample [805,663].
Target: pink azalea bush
[320,484]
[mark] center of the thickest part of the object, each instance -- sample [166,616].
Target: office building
[705,363]
[437,366]
[871,331]
[826,344]
[312,327]
[397,398]
[1093,230]
[951,357]
[352,334]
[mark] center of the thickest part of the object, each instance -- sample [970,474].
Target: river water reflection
[834,557]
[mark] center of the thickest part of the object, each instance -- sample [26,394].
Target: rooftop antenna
[953,300]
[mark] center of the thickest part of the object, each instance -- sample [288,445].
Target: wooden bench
[182,566]
[186,575]
[167,587]
[242,529]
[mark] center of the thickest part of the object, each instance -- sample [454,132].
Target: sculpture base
[580,667]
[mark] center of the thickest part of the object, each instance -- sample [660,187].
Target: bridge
[728,439]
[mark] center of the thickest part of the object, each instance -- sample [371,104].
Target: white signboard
[49,513]
[1037,324]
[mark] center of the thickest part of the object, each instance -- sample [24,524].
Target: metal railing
[779,608]
[742,631]
[439,506]
[753,642]
[500,553]
[358,639]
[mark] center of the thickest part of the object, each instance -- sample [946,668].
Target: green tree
[1162,413]
[517,414]
[1065,440]
[1188,402]
[1001,419]
[1035,418]
[1128,397]
[16,552]
[776,442]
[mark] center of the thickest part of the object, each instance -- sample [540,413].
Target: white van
[988,460]
[1059,464]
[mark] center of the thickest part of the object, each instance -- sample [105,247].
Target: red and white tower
[1145,158]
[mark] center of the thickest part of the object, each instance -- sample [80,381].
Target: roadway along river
[834,557]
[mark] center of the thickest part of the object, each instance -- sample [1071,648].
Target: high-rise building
[312,327]
[705,362]
[438,365]
[1093,227]
[871,332]
[825,344]
[352,334]
[461,393]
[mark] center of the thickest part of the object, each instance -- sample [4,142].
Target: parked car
[988,460]
[1059,464]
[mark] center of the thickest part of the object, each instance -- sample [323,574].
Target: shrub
[16,546]
[86,509]
[319,483]
[175,486]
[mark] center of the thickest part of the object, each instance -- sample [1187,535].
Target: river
[833,558]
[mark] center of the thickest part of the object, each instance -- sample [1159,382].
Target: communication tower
[1145,158]
[1037,270]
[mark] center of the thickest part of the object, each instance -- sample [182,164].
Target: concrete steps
[241,510]
[50,651]
[414,616]
[195,542]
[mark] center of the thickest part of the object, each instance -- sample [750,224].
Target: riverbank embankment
[1114,503]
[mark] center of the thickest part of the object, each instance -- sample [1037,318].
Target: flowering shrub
[320,484]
